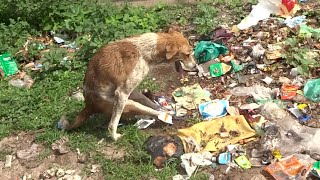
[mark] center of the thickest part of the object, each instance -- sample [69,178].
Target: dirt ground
[36,163]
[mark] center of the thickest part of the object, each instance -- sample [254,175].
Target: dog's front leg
[121,98]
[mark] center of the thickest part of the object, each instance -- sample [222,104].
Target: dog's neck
[152,47]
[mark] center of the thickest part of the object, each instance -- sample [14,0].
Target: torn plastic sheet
[144,123]
[191,161]
[213,109]
[210,141]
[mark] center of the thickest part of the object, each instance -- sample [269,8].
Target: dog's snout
[190,63]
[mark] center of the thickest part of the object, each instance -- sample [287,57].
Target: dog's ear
[171,50]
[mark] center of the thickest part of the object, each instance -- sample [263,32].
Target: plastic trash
[308,32]
[316,169]
[205,133]
[213,109]
[29,152]
[288,92]
[312,90]
[180,177]
[8,161]
[58,40]
[27,82]
[207,50]
[259,93]
[243,162]
[219,69]
[144,123]
[299,115]
[268,80]
[17,83]
[292,22]
[165,117]
[292,136]
[191,161]
[224,158]
[264,9]
[8,64]
[289,168]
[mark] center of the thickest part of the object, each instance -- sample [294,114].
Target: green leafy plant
[206,18]
[14,35]
[301,57]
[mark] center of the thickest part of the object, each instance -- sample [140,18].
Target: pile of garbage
[32,62]
[265,102]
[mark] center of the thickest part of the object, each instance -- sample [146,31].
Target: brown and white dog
[118,68]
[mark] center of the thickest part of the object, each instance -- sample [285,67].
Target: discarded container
[289,168]
[219,69]
[207,50]
[316,169]
[299,115]
[213,109]
[8,64]
[288,92]
[312,90]
[224,158]
[243,162]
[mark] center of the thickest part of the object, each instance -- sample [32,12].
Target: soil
[45,159]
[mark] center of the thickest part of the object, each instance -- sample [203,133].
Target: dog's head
[179,49]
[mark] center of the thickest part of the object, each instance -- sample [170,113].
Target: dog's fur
[117,69]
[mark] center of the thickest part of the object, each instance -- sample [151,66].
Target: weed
[301,57]
[194,120]
[150,84]
[44,154]
[206,18]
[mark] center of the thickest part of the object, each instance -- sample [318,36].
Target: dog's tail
[63,123]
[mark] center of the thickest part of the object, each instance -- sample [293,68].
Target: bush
[86,22]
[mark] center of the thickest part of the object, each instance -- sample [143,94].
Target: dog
[116,70]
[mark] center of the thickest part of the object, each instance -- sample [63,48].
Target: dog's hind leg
[140,109]
[142,99]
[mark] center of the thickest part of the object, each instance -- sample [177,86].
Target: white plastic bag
[264,9]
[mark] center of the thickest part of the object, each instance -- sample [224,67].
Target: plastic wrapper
[265,8]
